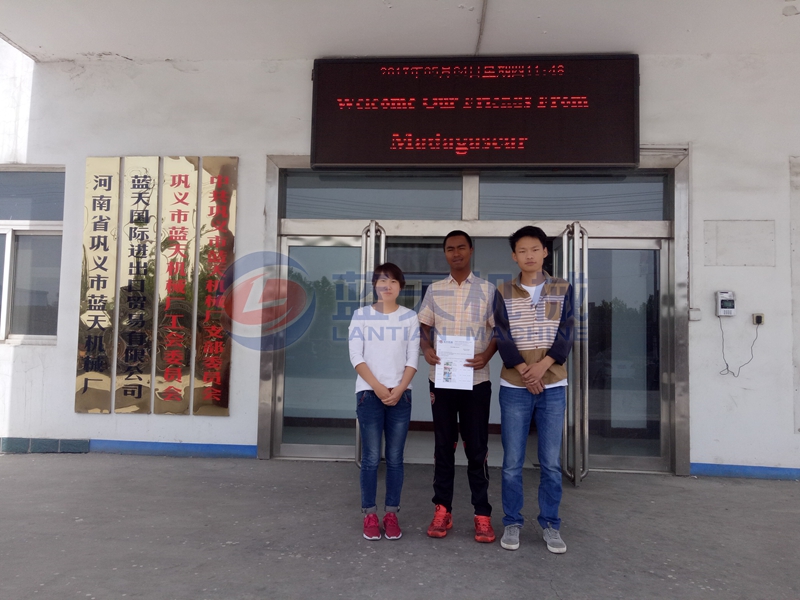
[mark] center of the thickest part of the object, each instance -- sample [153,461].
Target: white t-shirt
[536,292]
[388,343]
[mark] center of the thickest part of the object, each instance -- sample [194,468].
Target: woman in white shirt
[384,349]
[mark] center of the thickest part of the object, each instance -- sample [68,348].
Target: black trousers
[469,411]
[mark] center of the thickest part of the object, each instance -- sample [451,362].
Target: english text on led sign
[487,112]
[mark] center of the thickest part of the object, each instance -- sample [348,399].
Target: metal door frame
[675,234]
[372,242]
[666,326]
[316,451]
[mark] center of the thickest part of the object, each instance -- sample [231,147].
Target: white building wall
[16,71]
[120,109]
[736,112]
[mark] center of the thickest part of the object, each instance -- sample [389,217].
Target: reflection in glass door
[318,407]
[619,416]
[326,278]
[627,416]
[619,411]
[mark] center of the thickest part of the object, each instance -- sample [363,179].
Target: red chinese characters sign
[176,285]
[216,239]
[169,352]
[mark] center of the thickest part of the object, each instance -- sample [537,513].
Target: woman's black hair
[392,271]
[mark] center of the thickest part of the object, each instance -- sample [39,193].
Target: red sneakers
[391,528]
[442,521]
[372,530]
[483,529]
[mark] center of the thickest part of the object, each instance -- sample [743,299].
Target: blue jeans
[376,419]
[517,407]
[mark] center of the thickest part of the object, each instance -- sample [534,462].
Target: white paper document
[454,351]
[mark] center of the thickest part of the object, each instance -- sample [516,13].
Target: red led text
[459,145]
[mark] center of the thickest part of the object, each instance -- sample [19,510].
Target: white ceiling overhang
[188,30]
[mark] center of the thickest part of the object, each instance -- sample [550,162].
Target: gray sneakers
[510,540]
[553,539]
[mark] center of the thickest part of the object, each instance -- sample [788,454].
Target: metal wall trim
[268,363]
[34,168]
[5,313]
[423,228]
[667,352]
[680,276]
[470,197]
[617,244]
[39,226]
[315,451]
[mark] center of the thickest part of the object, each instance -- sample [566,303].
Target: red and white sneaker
[483,529]
[372,530]
[391,528]
[442,521]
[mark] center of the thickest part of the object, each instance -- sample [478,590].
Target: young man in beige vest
[534,328]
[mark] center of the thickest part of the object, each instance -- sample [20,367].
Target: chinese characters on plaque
[171,296]
[176,285]
[98,283]
[135,324]
[212,364]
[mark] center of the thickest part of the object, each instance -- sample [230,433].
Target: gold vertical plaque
[139,234]
[216,240]
[175,285]
[98,286]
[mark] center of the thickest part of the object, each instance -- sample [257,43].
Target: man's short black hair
[527,231]
[392,271]
[456,233]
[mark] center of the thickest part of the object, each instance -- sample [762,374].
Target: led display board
[526,111]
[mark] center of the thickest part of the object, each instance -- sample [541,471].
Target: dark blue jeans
[517,407]
[375,419]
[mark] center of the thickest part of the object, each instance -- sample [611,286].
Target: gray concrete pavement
[108,527]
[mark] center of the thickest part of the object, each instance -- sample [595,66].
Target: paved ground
[103,526]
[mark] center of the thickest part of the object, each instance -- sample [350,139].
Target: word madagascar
[460,145]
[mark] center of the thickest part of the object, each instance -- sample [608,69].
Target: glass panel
[319,390]
[624,364]
[372,196]
[613,198]
[36,275]
[2,265]
[31,196]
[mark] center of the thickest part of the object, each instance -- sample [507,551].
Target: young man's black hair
[527,231]
[456,233]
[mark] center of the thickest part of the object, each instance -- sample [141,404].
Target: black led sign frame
[523,111]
